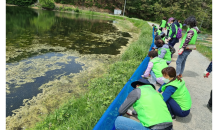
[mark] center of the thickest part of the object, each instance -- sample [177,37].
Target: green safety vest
[163,39]
[193,40]
[158,32]
[155,27]
[174,36]
[163,24]
[168,27]
[158,65]
[167,56]
[181,95]
[151,108]
[180,25]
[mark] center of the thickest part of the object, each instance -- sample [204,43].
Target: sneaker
[129,112]
[209,106]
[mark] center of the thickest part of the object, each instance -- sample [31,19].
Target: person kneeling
[155,66]
[175,93]
[163,51]
[151,110]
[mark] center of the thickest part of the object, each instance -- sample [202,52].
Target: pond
[47,48]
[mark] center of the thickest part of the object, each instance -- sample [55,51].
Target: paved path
[200,117]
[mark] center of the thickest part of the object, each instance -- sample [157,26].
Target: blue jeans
[175,109]
[153,75]
[180,62]
[123,123]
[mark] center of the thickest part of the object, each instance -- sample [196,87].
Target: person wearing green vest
[163,37]
[168,25]
[154,27]
[163,51]
[163,23]
[155,66]
[158,32]
[175,94]
[189,39]
[172,40]
[179,21]
[149,107]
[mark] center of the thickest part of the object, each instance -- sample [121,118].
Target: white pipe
[124,7]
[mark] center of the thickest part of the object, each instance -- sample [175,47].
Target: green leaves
[21,2]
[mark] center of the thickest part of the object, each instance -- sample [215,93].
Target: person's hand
[180,51]
[169,39]
[206,74]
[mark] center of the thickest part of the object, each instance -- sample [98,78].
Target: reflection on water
[48,29]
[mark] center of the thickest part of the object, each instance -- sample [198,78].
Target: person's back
[181,95]
[149,107]
[151,112]
[158,65]
[163,23]
[167,53]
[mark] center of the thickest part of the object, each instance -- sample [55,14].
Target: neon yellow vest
[180,25]
[174,36]
[163,24]
[158,32]
[158,65]
[167,56]
[151,108]
[163,39]
[181,95]
[193,40]
[168,27]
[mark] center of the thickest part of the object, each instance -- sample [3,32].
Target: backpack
[179,33]
[172,49]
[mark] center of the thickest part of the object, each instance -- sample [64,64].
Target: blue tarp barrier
[107,120]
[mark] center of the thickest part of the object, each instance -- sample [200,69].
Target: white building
[117,11]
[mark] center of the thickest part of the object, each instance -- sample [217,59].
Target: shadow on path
[189,73]
[186,119]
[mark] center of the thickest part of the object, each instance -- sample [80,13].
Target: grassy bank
[205,48]
[83,113]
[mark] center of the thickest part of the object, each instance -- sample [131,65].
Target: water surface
[43,46]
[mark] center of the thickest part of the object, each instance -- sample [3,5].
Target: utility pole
[124,7]
[203,19]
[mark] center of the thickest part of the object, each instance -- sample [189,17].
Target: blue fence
[107,120]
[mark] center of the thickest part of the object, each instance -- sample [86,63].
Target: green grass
[203,49]
[84,112]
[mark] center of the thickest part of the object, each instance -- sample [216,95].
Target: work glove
[180,51]
[206,74]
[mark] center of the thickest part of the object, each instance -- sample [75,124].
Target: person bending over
[175,94]
[149,106]
[155,67]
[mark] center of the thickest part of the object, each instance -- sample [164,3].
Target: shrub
[47,4]
[21,2]
[76,10]
[57,1]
